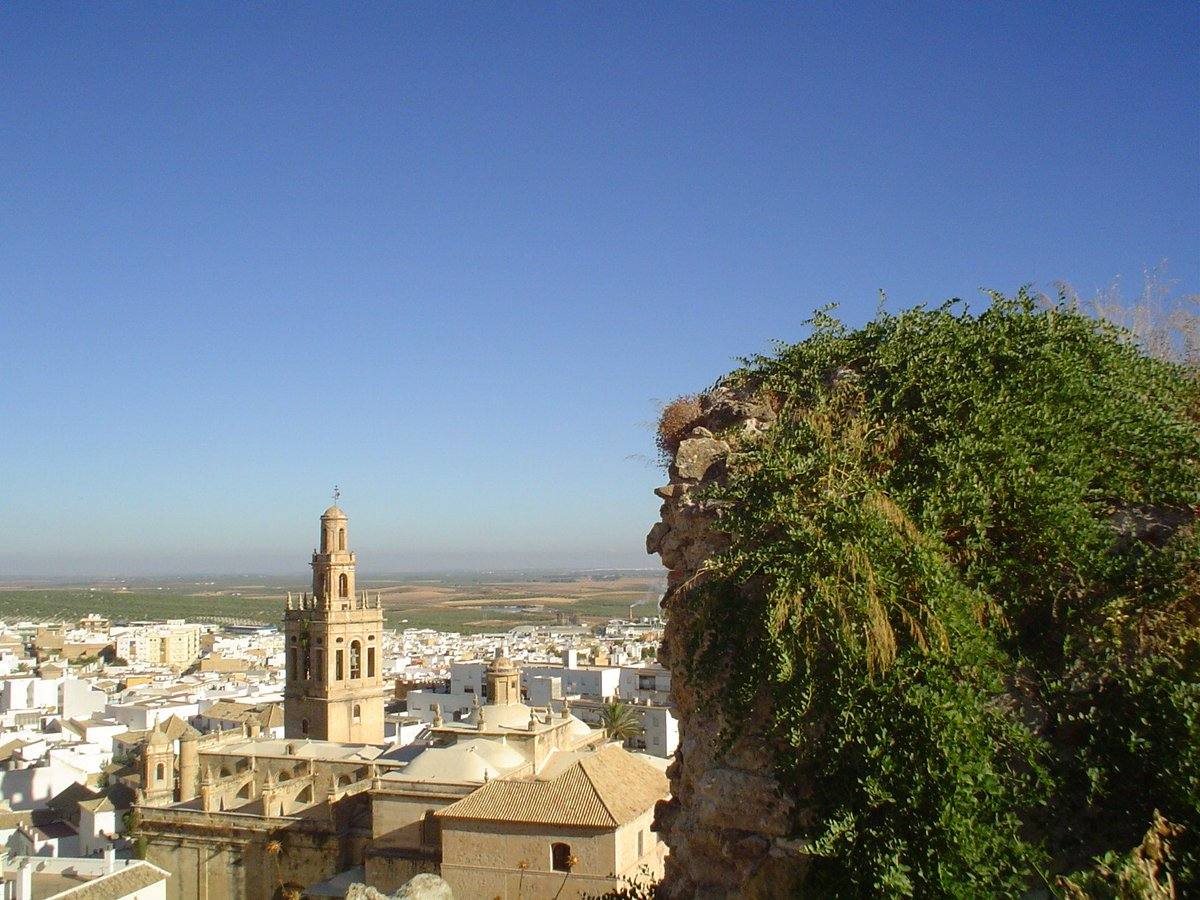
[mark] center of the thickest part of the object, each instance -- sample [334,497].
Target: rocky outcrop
[728,820]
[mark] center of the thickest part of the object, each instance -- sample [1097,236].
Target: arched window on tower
[341,538]
[370,662]
[355,659]
[357,712]
[160,772]
[343,585]
[304,726]
[295,673]
[319,666]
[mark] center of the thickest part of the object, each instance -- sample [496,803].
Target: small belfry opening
[341,538]
[355,659]
[343,585]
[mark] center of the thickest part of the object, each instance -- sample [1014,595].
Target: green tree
[619,722]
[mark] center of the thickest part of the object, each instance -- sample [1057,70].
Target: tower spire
[334,682]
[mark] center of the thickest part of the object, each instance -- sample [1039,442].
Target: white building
[145,715]
[28,692]
[68,878]
[79,700]
[591,682]
[99,825]
[646,683]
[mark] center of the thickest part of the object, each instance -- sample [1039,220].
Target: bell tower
[333,641]
[333,564]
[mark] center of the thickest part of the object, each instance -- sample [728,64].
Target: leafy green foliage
[919,779]
[933,571]
[1144,873]
[619,721]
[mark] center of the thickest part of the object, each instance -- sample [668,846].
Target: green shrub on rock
[965,572]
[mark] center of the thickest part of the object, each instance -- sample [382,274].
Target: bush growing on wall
[965,566]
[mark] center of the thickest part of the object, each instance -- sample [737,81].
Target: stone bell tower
[333,641]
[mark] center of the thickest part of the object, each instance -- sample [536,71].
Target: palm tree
[619,722]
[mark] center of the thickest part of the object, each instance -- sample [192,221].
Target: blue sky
[449,256]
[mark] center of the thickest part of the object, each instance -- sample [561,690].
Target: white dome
[477,760]
[579,728]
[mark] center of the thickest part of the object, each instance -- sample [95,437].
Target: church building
[333,641]
[510,801]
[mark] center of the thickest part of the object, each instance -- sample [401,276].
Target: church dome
[475,760]
[578,728]
[334,512]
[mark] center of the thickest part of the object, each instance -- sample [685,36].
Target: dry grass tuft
[675,421]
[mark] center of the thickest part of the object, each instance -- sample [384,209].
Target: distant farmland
[72,604]
[468,603]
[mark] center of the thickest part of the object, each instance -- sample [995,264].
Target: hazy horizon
[365,578]
[283,566]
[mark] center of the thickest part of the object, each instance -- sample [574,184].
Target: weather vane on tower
[337,493]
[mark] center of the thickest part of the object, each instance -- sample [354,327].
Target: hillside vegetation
[963,576]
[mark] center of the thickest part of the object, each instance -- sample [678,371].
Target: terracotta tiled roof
[10,819]
[100,804]
[272,716]
[7,750]
[175,728]
[268,715]
[130,738]
[602,789]
[122,883]
[66,802]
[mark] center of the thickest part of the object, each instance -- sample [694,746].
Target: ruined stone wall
[728,820]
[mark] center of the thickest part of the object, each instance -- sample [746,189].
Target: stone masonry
[728,821]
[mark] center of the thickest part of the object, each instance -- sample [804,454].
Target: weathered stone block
[696,456]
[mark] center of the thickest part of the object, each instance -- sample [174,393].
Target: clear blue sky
[449,256]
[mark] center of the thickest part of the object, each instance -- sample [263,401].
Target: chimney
[110,860]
